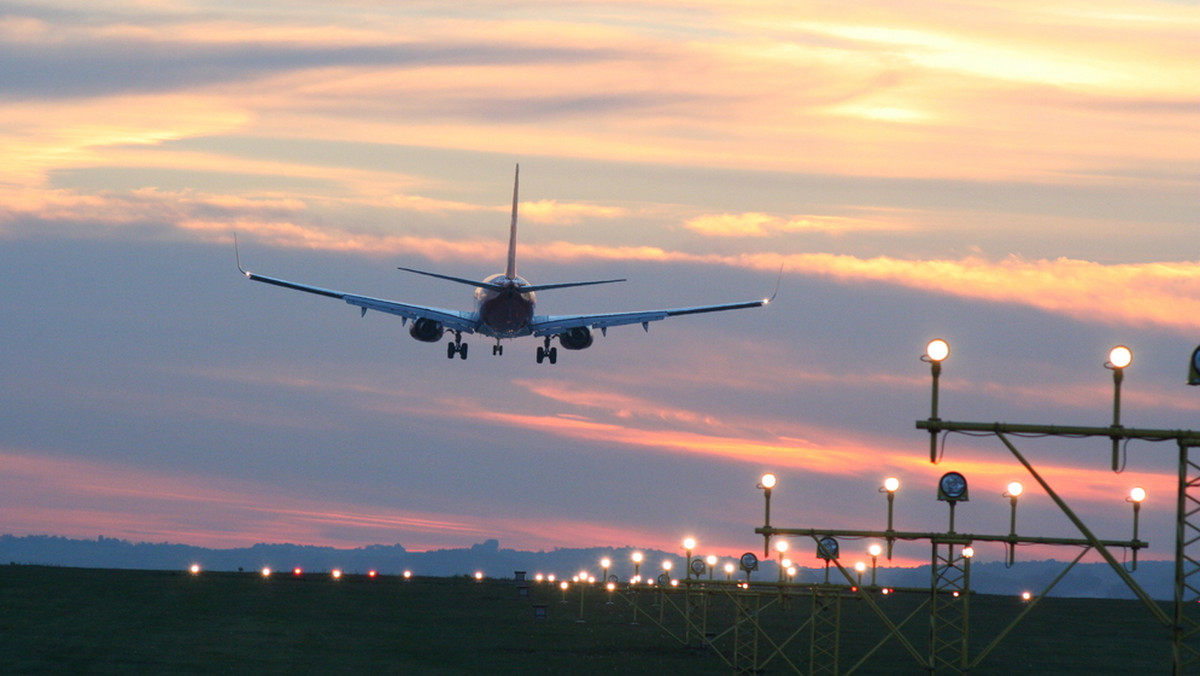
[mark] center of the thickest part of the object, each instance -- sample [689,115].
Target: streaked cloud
[1163,294]
[557,213]
[764,225]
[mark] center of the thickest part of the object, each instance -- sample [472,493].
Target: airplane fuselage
[505,313]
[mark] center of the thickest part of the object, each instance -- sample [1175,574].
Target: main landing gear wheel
[544,353]
[458,347]
[497,349]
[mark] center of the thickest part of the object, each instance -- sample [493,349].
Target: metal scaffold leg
[949,610]
[826,624]
[1186,643]
[745,636]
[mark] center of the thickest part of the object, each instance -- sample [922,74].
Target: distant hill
[1094,580]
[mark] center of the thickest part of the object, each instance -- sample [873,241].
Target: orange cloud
[762,225]
[559,213]
[1160,294]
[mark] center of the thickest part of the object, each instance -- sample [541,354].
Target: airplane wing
[454,320]
[545,325]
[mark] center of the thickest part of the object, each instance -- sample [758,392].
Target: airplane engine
[576,339]
[426,330]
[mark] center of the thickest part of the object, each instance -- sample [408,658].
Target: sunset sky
[1021,179]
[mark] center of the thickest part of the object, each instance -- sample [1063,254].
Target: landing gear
[547,352]
[497,349]
[457,346]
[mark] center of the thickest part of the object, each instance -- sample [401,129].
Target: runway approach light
[952,487]
[1120,357]
[937,350]
[195,569]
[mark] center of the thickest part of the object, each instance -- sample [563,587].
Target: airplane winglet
[767,301]
[238,256]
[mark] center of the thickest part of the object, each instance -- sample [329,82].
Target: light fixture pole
[935,353]
[766,483]
[1118,358]
[874,550]
[890,486]
[1136,495]
[1015,488]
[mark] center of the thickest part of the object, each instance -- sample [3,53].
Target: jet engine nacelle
[576,339]
[426,330]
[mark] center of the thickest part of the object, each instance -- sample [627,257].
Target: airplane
[504,308]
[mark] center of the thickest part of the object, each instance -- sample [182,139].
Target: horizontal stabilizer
[526,288]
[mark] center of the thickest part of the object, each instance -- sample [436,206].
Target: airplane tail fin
[511,270]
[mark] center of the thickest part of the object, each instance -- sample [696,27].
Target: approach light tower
[1183,624]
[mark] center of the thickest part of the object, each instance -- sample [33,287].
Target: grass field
[84,621]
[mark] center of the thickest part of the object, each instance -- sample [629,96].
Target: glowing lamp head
[667,565]
[1137,494]
[195,569]
[891,484]
[968,552]
[637,557]
[781,546]
[605,563]
[266,572]
[729,568]
[408,575]
[875,550]
[689,543]
[478,575]
[372,573]
[860,567]
[1120,357]
[937,350]
[337,574]
[1015,489]
[767,481]
[711,560]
